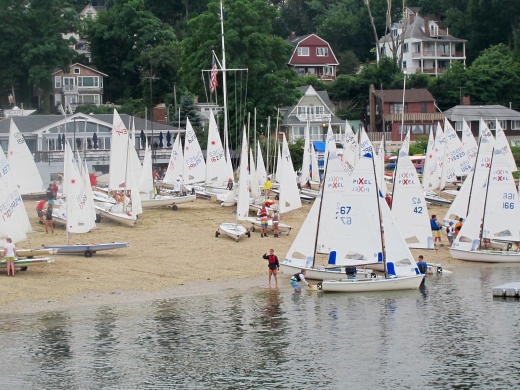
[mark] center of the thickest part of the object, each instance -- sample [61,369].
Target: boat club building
[45,134]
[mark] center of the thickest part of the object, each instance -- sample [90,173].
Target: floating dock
[507,290]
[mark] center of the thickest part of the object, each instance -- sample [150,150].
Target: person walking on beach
[10,256]
[50,193]
[39,210]
[458,227]
[230,184]
[276,221]
[263,221]
[273,264]
[48,220]
[436,229]
[450,231]
[299,277]
[268,186]
[55,189]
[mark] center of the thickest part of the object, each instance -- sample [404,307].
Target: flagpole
[224,82]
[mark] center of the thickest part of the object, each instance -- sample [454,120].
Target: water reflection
[451,334]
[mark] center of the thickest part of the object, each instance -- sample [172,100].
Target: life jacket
[263,212]
[272,259]
[423,267]
[297,277]
[49,213]
[50,194]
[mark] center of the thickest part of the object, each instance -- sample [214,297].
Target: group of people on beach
[452,230]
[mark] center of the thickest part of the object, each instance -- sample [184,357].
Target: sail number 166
[508,196]
[343,211]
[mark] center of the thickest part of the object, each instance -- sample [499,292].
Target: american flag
[213,82]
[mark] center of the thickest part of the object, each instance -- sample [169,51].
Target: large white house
[424,45]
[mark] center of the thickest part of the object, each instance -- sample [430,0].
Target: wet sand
[171,253]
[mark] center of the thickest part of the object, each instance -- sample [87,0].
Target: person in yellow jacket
[268,186]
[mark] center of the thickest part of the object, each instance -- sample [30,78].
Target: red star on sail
[187,147]
[73,181]
[213,143]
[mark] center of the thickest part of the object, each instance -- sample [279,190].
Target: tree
[125,42]
[316,83]
[249,44]
[418,146]
[188,110]
[296,151]
[348,63]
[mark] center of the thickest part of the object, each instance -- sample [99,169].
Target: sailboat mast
[268,142]
[383,250]
[473,177]
[485,199]
[275,159]
[254,142]
[224,82]
[319,214]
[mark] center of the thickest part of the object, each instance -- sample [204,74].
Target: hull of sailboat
[233,230]
[35,252]
[282,227]
[103,197]
[452,193]
[59,220]
[372,284]
[84,248]
[312,193]
[35,196]
[270,210]
[166,201]
[433,268]
[486,256]
[322,273]
[122,218]
[305,198]
[436,199]
[38,261]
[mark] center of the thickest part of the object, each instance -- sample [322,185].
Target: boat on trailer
[85,249]
[29,261]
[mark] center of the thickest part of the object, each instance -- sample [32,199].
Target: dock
[507,290]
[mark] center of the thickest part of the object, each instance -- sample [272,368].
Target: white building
[425,46]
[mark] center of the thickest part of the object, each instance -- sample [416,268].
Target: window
[418,48]
[303,51]
[503,124]
[70,100]
[89,14]
[406,129]
[302,110]
[458,125]
[319,110]
[405,48]
[77,71]
[89,99]
[311,70]
[395,32]
[417,129]
[57,82]
[492,125]
[68,83]
[404,64]
[298,131]
[428,129]
[322,51]
[88,82]
[424,107]
[397,108]
[515,125]
[300,71]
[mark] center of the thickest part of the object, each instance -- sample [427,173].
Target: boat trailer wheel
[217,233]
[248,234]
[174,207]
[88,253]
[319,286]
[23,269]
[98,218]
[439,270]
[253,229]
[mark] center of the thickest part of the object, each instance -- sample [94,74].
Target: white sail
[278,174]
[350,149]
[88,190]
[136,162]
[25,172]
[194,166]
[253,179]
[430,164]
[18,211]
[380,168]
[79,213]
[405,146]
[458,160]
[11,200]
[289,194]
[314,165]
[306,162]
[408,204]
[176,163]
[399,259]
[439,150]
[243,193]
[365,146]
[355,218]
[216,167]
[502,210]
[469,143]
[330,142]
[133,186]
[146,187]
[260,167]
[502,144]
[119,154]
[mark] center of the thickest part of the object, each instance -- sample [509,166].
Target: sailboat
[25,171]
[306,171]
[495,215]
[260,167]
[122,178]
[235,230]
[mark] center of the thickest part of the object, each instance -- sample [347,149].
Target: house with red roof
[313,56]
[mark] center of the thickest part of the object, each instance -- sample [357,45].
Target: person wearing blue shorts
[299,277]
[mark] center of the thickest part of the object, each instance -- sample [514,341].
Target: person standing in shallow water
[299,277]
[273,264]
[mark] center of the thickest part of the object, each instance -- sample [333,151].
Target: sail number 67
[344,210]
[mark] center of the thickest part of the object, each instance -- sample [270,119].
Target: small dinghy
[432,197]
[24,263]
[282,227]
[86,249]
[233,230]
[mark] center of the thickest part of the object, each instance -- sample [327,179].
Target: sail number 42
[343,211]
[417,209]
[508,196]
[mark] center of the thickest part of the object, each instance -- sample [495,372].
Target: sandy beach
[171,252]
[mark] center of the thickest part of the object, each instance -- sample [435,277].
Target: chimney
[411,19]
[372,107]
[466,100]
[426,26]
[159,114]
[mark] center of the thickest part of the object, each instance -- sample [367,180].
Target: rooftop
[474,113]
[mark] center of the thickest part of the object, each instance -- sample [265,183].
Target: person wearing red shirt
[39,209]
[93,179]
[55,189]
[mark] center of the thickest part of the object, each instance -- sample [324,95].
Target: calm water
[453,334]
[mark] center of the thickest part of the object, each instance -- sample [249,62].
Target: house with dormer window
[79,85]
[313,56]
[315,110]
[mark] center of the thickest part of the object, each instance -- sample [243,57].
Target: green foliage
[316,83]
[419,146]
[516,154]
[296,150]
[348,63]
[93,109]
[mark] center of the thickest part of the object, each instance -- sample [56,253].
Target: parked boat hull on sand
[86,249]
[24,263]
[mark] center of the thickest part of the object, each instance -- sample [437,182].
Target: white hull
[436,199]
[486,256]
[282,227]
[24,263]
[233,230]
[35,252]
[122,218]
[320,273]
[312,193]
[374,284]
[166,201]
[433,268]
